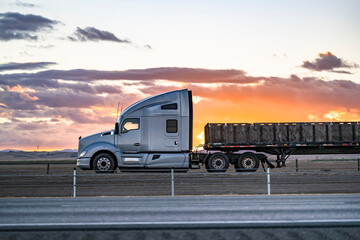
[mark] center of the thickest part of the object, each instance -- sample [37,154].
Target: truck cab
[154,133]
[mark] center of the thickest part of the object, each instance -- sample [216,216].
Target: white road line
[183,224]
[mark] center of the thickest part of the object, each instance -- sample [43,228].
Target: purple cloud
[24,66]
[93,34]
[328,62]
[15,26]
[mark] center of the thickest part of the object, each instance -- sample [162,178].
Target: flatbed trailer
[284,139]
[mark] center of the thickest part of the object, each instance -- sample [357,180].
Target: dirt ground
[314,176]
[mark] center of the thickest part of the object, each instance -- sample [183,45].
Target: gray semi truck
[156,134]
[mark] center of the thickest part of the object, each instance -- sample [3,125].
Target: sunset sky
[65,65]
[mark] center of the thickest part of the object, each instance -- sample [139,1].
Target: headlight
[83,153]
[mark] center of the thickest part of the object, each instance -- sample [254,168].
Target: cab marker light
[83,153]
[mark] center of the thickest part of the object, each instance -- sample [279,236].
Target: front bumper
[83,163]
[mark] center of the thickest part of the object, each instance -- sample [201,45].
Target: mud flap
[264,160]
[269,163]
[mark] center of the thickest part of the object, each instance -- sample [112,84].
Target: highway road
[205,217]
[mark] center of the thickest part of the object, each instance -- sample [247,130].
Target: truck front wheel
[104,163]
[247,162]
[217,162]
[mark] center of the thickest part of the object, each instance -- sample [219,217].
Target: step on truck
[155,134]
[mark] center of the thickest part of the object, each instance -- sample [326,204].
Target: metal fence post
[48,168]
[268,180]
[172,183]
[297,166]
[74,185]
[358,164]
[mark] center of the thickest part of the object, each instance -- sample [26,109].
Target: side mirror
[116,129]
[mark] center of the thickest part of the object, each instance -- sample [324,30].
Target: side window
[171,126]
[171,106]
[130,124]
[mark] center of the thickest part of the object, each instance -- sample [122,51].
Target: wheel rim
[218,163]
[103,164]
[248,162]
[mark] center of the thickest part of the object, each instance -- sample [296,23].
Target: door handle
[136,144]
[176,142]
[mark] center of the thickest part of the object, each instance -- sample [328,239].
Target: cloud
[18,26]
[292,91]
[41,46]
[17,101]
[82,116]
[80,101]
[84,88]
[23,4]
[194,75]
[328,62]
[80,88]
[68,98]
[94,35]
[24,66]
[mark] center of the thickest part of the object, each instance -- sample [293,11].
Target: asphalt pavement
[215,217]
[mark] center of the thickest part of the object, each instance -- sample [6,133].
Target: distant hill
[22,155]
[67,150]
[11,150]
[17,150]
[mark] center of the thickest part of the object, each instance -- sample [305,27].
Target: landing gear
[282,156]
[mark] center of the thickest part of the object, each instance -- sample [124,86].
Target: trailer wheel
[247,162]
[217,162]
[104,163]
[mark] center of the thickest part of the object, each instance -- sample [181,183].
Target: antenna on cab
[117,111]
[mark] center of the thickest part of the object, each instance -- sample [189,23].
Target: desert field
[33,174]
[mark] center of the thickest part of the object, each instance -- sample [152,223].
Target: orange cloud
[23,91]
[17,88]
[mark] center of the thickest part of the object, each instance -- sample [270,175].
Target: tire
[247,162]
[104,163]
[217,162]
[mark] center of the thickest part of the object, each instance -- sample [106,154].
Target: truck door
[172,139]
[129,138]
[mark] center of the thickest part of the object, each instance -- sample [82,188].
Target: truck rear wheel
[217,162]
[247,162]
[104,163]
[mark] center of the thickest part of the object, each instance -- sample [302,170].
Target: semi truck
[156,134]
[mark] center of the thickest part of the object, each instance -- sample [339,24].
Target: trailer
[156,134]
[281,139]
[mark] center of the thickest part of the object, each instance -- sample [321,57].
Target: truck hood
[106,136]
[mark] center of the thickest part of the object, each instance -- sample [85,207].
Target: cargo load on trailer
[285,139]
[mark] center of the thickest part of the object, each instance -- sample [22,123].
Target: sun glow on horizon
[335,115]
[196,99]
